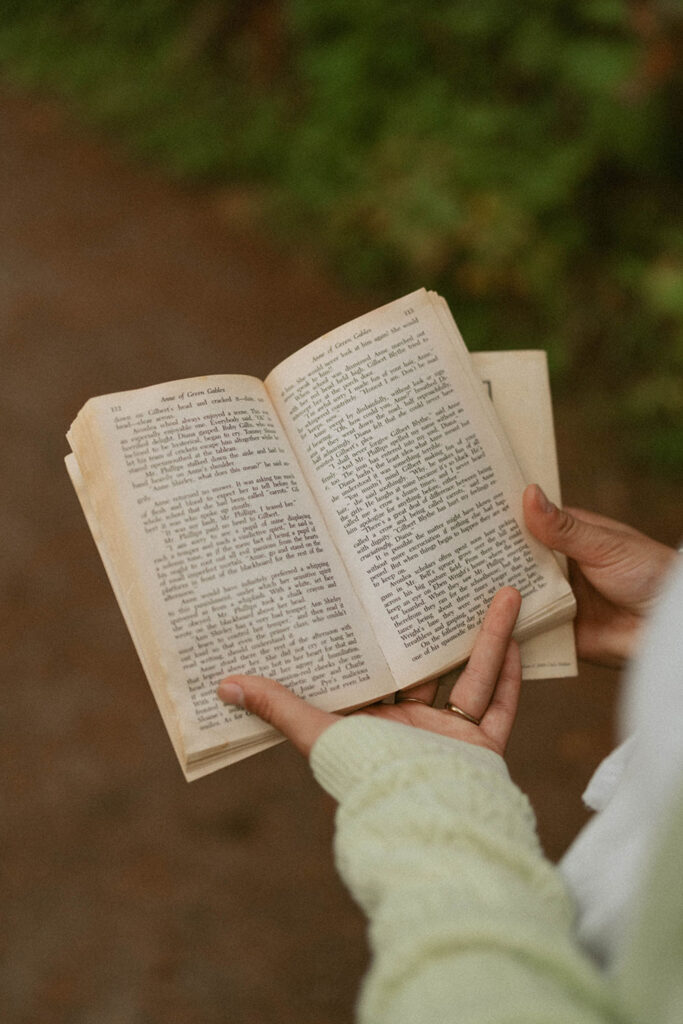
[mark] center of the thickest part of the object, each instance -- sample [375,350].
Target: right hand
[616,572]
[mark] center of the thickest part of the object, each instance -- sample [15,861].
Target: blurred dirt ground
[127,895]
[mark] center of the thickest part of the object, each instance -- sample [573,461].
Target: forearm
[467,918]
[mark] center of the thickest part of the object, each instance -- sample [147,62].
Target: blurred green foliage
[524,160]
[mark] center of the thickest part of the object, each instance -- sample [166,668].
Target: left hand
[487,689]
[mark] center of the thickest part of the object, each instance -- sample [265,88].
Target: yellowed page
[165,706]
[219,558]
[417,482]
[518,385]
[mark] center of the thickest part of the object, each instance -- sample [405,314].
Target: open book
[340,527]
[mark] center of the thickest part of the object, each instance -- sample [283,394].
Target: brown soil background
[130,897]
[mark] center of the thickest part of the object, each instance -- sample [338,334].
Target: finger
[473,690]
[425,692]
[586,542]
[596,519]
[500,717]
[299,721]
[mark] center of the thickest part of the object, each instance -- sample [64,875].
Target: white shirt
[632,789]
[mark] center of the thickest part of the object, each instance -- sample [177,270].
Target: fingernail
[231,693]
[543,502]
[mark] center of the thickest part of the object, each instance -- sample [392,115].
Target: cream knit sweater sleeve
[468,920]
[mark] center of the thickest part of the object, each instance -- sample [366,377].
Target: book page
[417,482]
[517,383]
[219,557]
[207,764]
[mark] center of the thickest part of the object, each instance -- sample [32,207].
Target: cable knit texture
[469,922]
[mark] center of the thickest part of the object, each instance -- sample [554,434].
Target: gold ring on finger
[455,710]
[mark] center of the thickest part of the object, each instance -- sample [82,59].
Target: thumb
[299,721]
[587,543]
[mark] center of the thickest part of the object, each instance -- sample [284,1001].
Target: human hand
[616,573]
[487,690]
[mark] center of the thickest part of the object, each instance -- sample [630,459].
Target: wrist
[612,644]
[351,752]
